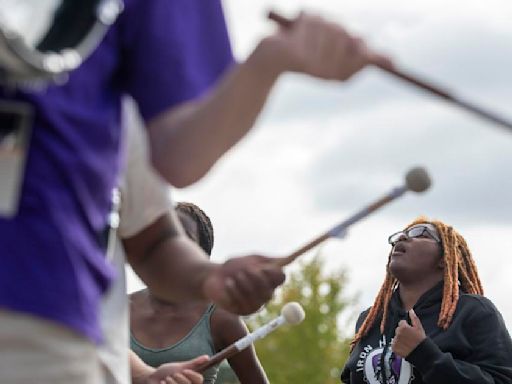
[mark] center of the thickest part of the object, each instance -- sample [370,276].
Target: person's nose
[402,237]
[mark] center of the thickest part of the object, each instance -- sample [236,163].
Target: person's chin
[397,269]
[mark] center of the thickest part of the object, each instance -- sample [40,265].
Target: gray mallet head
[417,179]
[293,313]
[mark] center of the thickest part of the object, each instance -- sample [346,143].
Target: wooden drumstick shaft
[243,343]
[226,353]
[425,85]
[342,227]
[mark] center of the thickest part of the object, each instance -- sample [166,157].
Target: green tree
[314,351]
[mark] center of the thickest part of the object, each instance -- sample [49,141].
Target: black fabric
[475,349]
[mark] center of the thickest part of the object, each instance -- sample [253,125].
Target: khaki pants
[35,351]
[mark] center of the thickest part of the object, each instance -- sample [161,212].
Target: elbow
[175,171]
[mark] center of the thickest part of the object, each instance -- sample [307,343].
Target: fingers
[330,51]
[254,286]
[325,50]
[193,377]
[415,321]
[242,285]
[394,344]
[402,326]
[350,57]
[168,380]
[234,297]
[195,363]
[186,377]
[179,373]
[272,272]
[408,337]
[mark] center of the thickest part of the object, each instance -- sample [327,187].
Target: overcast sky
[322,150]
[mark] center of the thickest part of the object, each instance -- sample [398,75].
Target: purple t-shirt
[161,52]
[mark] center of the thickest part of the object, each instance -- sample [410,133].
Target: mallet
[423,84]
[416,180]
[291,313]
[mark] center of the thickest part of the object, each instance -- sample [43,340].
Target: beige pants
[35,351]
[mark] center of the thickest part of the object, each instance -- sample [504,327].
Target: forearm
[171,265]
[187,140]
[175,271]
[139,370]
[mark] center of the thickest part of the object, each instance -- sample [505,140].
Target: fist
[243,284]
[322,49]
[408,337]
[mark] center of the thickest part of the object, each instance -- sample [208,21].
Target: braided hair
[203,222]
[460,272]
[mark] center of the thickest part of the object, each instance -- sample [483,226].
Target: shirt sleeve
[489,363]
[172,51]
[144,195]
[345,372]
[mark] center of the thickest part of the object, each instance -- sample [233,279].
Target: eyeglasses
[418,231]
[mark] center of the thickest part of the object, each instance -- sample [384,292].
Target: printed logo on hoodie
[397,370]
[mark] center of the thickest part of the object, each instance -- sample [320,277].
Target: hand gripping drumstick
[291,313]
[425,85]
[416,180]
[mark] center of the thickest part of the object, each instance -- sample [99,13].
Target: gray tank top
[198,342]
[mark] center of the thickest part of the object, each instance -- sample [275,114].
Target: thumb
[195,363]
[415,321]
[380,60]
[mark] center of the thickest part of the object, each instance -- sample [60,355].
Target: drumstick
[416,180]
[423,84]
[291,313]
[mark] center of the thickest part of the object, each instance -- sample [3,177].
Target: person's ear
[440,263]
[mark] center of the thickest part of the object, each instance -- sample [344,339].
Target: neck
[410,292]
[158,303]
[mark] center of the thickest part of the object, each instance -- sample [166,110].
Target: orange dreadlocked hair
[459,267]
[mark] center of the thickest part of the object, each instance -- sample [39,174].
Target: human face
[417,254]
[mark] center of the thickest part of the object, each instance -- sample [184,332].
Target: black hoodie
[475,349]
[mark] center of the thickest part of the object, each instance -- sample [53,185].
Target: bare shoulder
[226,328]
[224,319]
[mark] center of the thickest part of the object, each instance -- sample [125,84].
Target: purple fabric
[161,52]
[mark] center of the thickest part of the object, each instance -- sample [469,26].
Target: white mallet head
[293,313]
[417,179]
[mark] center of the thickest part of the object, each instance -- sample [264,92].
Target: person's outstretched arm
[176,269]
[173,267]
[188,139]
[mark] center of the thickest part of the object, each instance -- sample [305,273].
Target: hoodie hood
[428,303]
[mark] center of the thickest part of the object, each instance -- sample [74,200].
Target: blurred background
[323,150]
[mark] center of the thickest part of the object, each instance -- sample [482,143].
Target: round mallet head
[293,313]
[417,179]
